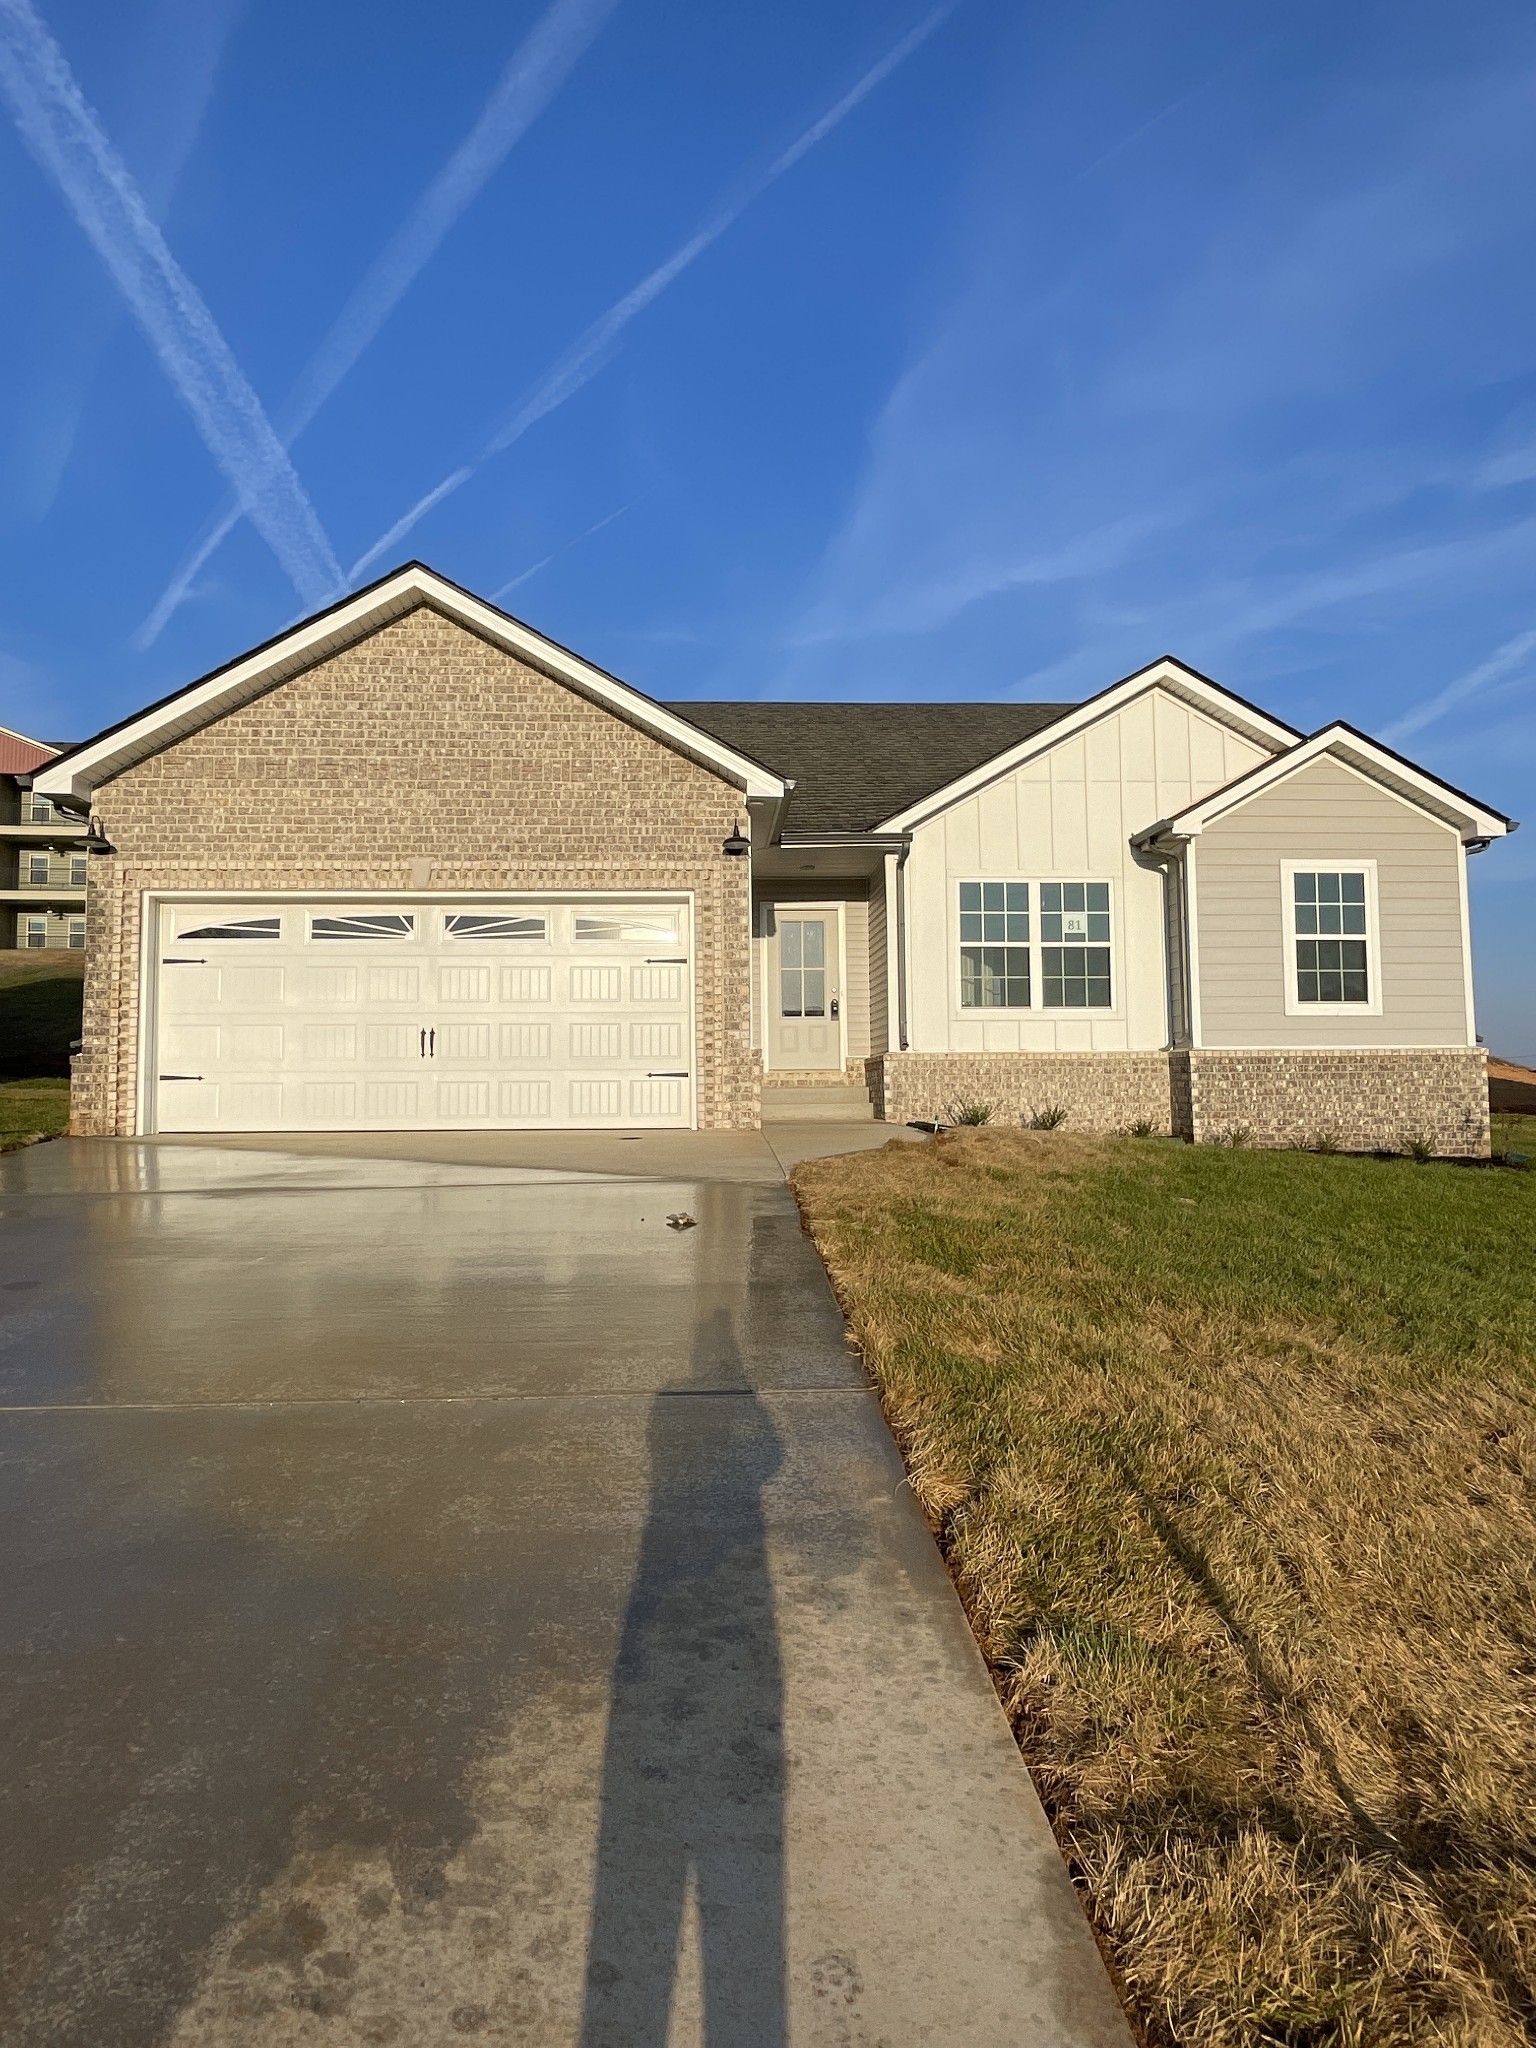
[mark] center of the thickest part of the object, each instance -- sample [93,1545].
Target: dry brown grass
[1231,1455]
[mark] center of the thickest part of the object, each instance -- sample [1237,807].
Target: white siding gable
[1068,814]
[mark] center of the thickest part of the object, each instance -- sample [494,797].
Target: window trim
[1331,864]
[1036,1007]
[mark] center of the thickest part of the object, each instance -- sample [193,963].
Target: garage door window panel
[237,928]
[478,925]
[387,924]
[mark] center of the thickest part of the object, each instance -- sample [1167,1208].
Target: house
[42,871]
[411,864]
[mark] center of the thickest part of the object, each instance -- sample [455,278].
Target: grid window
[77,870]
[40,811]
[1332,964]
[802,967]
[1075,945]
[37,869]
[77,934]
[994,945]
[35,931]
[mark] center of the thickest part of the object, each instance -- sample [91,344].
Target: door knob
[834,1006]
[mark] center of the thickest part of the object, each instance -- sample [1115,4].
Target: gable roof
[854,764]
[1166,673]
[19,755]
[1474,821]
[81,770]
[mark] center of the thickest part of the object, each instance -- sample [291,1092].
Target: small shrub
[1418,1148]
[1235,1136]
[1144,1127]
[969,1113]
[1323,1141]
[1051,1118]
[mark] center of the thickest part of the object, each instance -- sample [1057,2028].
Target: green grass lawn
[1233,1458]
[32,1109]
[1514,1134]
[39,1012]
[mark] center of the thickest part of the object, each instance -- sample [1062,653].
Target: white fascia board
[1354,750]
[1171,676]
[226,689]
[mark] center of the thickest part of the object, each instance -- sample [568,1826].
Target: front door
[804,992]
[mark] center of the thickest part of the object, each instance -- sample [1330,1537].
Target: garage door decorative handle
[179,1077]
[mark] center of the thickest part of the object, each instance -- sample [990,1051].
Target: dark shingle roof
[854,765]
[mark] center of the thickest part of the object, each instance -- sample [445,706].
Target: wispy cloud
[535,73]
[528,574]
[68,141]
[1504,661]
[588,353]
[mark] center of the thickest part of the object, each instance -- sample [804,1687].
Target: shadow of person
[693,1772]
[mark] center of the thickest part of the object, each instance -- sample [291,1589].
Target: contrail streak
[1494,669]
[535,73]
[64,135]
[587,354]
[544,561]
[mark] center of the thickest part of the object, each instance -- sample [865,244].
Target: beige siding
[1328,813]
[1068,813]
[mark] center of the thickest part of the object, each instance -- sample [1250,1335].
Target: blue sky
[795,351]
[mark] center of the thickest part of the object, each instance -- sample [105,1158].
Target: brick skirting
[1360,1101]
[1357,1101]
[1100,1091]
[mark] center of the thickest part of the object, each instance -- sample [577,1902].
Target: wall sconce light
[738,844]
[95,840]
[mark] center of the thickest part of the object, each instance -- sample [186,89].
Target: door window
[802,967]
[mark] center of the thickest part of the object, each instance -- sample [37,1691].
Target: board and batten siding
[1329,814]
[854,998]
[1066,814]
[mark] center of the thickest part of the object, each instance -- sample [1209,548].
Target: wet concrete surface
[464,1608]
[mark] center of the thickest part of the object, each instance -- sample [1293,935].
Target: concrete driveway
[438,1601]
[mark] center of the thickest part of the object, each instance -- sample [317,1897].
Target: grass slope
[30,1110]
[1232,1457]
[39,1012]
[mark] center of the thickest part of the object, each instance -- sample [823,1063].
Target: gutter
[901,944]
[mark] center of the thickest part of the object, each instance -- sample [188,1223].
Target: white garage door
[373,1014]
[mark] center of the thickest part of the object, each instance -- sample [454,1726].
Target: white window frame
[1036,1006]
[1331,864]
[76,925]
[34,880]
[34,931]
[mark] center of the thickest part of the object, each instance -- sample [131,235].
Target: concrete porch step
[838,1104]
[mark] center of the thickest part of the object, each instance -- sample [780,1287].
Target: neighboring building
[42,869]
[412,865]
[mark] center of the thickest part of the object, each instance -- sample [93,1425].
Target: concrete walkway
[442,1602]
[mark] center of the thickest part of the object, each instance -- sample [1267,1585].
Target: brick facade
[1100,1091]
[421,758]
[1358,1101]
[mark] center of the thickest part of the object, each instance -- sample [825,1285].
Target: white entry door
[393,1014]
[805,951]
